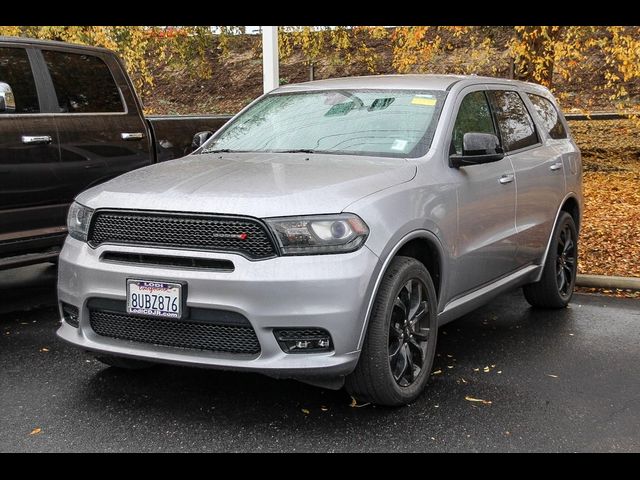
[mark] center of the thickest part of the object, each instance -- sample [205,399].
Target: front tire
[555,288]
[397,355]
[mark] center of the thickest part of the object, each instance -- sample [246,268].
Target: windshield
[390,123]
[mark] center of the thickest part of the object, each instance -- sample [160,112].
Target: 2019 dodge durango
[328,230]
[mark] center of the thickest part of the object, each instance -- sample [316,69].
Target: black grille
[176,333]
[200,232]
[301,333]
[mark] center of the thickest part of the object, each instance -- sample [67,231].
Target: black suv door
[30,203]
[100,137]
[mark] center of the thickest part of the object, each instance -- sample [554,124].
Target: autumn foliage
[544,54]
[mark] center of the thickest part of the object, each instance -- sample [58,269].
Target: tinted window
[83,83]
[474,115]
[15,70]
[549,116]
[515,123]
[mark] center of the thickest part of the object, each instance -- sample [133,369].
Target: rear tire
[124,363]
[555,288]
[397,355]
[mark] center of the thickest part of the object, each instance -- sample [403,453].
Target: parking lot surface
[506,378]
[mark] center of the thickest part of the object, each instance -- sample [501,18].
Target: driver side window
[474,115]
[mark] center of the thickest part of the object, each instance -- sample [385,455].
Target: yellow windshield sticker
[430,102]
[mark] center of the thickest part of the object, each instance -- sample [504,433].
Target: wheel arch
[570,204]
[424,246]
[572,207]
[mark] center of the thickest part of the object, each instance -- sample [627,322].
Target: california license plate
[157,299]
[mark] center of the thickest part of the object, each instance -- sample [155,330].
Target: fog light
[70,314]
[303,340]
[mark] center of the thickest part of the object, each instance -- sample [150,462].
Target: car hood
[255,184]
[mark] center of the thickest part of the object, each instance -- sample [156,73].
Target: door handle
[556,166]
[132,136]
[506,178]
[36,139]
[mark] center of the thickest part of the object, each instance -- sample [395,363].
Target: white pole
[270,69]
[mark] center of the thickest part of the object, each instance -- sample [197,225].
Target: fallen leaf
[552,376]
[449,366]
[44,349]
[305,411]
[463,380]
[36,431]
[324,409]
[486,369]
[478,400]
[437,372]
[476,369]
[499,371]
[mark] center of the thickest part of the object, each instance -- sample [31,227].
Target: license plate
[156,299]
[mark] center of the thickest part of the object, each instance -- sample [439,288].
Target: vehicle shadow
[28,288]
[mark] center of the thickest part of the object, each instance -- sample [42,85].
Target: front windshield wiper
[222,150]
[296,150]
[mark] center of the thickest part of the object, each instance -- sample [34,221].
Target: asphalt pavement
[506,378]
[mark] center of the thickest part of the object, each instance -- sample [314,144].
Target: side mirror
[477,148]
[7,100]
[199,139]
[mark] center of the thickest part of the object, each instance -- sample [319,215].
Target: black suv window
[549,116]
[515,123]
[474,115]
[15,70]
[83,83]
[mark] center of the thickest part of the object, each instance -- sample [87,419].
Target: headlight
[319,234]
[78,221]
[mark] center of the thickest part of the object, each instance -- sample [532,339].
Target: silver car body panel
[255,184]
[490,236]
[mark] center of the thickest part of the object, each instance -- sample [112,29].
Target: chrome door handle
[36,139]
[556,166]
[507,178]
[132,136]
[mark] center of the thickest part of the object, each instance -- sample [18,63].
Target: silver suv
[328,230]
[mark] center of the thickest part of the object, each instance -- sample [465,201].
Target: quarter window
[474,115]
[83,83]
[549,116]
[15,70]
[515,124]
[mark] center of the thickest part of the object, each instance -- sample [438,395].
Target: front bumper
[325,291]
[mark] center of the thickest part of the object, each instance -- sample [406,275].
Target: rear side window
[474,115]
[15,70]
[83,83]
[515,124]
[549,116]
